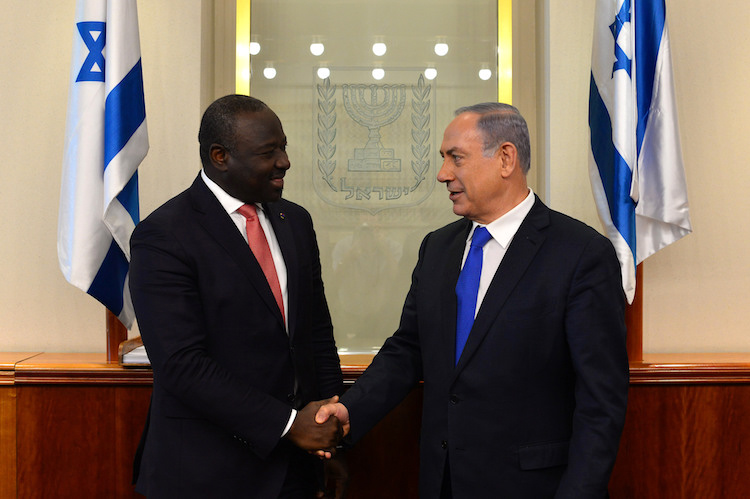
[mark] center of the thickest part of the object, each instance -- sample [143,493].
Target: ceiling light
[269,73]
[317,48]
[379,48]
[485,74]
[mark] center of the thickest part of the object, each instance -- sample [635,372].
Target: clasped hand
[319,426]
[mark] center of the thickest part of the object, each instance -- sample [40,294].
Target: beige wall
[695,290]
[39,310]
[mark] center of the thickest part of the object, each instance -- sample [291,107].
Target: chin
[459,211]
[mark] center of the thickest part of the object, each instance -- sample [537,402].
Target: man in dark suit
[532,403]
[235,351]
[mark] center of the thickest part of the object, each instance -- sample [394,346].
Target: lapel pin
[282,216]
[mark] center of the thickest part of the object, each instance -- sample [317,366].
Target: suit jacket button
[454,399]
[444,444]
[290,397]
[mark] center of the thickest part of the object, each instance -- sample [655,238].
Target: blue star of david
[621,59]
[93,67]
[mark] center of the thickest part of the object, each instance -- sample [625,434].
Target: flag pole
[116,334]
[634,319]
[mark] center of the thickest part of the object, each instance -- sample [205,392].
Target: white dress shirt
[231,205]
[502,231]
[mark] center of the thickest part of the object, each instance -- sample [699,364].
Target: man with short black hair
[226,284]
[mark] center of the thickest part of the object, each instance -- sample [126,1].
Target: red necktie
[256,238]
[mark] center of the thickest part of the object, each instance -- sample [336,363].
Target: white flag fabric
[106,140]
[635,163]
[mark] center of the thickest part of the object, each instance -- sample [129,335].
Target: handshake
[320,426]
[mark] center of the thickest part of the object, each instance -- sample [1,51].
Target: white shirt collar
[504,228]
[229,203]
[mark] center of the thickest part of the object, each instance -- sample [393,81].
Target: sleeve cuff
[292,417]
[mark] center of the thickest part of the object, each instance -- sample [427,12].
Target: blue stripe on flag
[124,111]
[614,171]
[128,198]
[649,23]
[106,130]
[108,285]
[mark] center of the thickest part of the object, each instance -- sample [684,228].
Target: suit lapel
[285,238]
[448,306]
[215,221]
[521,252]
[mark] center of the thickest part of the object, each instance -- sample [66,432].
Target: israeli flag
[635,163]
[106,140]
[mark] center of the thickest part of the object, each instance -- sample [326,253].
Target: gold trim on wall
[242,65]
[505,51]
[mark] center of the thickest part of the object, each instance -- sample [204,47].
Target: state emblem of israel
[377,150]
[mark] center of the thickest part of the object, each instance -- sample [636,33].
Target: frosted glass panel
[364,124]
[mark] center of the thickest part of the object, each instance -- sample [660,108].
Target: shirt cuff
[292,417]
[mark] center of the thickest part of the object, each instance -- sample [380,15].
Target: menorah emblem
[382,107]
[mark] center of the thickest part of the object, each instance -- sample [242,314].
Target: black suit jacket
[224,366]
[535,406]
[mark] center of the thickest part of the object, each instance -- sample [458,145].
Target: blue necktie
[467,288]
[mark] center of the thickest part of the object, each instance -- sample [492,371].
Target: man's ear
[218,155]
[508,155]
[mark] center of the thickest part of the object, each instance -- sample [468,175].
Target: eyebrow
[450,151]
[271,143]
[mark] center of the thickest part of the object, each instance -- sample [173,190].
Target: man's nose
[283,161]
[444,174]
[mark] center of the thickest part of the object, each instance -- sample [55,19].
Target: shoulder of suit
[571,227]
[170,209]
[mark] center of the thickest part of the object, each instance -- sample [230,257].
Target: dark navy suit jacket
[536,405]
[224,366]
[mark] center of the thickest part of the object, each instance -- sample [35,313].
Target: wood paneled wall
[69,426]
[687,430]
[685,441]
[78,441]
[72,428]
